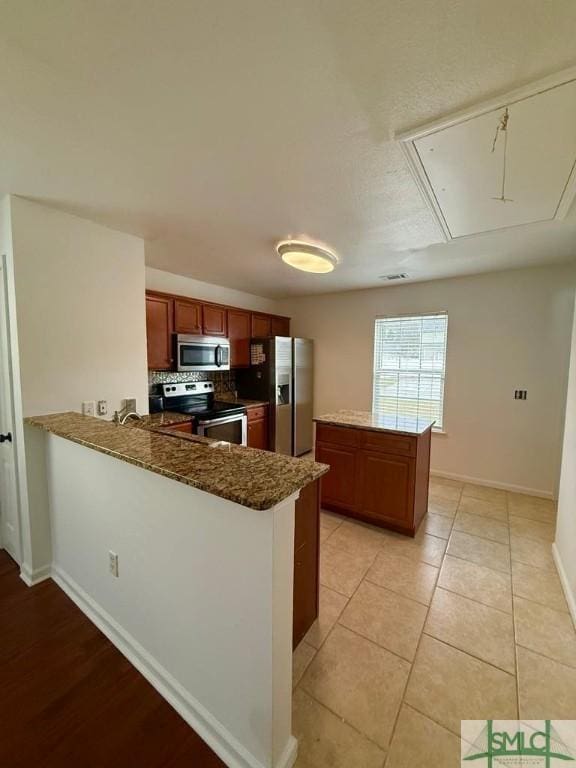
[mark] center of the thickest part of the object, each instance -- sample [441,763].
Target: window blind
[409,366]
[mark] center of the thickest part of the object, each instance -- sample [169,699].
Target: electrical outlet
[130,404]
[113,563]
[88,407]
[102,407]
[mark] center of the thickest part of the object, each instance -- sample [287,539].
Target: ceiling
[214,129]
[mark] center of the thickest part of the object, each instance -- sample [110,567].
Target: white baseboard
[288,757]
[30,576]
[218,738]
[493,484]
[570,598]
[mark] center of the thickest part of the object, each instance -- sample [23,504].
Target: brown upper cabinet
[167,314]
[159,328]
[280,326]
[214,320]
[187,316]
[239,335]
[261,325]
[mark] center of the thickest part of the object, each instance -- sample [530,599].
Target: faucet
[118,419]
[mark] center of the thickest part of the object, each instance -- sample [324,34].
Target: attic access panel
[532,165]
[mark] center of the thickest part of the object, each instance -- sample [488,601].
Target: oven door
[202,353]
[232,429]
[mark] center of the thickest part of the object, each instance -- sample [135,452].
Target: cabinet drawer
[184,426]
[256,413]
[327,433]
[402,445]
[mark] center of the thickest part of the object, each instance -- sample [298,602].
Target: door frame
[13,374]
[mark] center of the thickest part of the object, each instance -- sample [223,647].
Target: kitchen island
[380,467]
[181,550]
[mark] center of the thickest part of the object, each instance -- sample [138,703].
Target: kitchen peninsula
[181,550]
[380,467]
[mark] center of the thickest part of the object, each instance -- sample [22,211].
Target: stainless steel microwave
[202,353]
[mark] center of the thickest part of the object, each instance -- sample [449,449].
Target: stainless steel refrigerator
[281,372]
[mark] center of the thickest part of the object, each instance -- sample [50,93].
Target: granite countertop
[407,425]
[163,419]
[228,397]
[247,476]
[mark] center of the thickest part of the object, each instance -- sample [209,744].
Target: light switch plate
[89,407]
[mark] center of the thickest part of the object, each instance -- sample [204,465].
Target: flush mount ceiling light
[307,257]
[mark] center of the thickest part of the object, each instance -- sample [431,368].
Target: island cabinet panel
[159,328]
[214,320]
[261,325]
[306,559]
[340,485]
[187,316]
[239,329]
[258,427]
[378,476]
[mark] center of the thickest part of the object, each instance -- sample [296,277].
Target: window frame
[435,429]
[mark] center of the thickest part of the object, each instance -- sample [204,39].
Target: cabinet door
[187,316]
[339,485]
[280,326]
[261,325]
[159,324]
[214,321]
[258,434]
[185,426]
[239,335]
[387,487]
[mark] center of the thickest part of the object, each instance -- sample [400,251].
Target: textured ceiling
[214,129]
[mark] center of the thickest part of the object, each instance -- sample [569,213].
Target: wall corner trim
[218,738]
[32,576]
[568,594]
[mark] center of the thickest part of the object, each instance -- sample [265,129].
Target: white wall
[81,312]
[167,282]
[506,330]
[203,602]
[565,545]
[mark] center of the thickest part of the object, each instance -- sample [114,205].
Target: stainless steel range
[210,417]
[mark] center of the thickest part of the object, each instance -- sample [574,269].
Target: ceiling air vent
[398,276]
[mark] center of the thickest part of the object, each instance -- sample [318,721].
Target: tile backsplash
[224,381]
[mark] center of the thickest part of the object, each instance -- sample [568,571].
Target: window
[409,366]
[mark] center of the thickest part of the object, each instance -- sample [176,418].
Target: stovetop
[197,399]
[209,410]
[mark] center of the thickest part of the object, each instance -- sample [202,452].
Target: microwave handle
[218,355]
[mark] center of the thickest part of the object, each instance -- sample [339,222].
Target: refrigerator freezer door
[303,368]
[283,395]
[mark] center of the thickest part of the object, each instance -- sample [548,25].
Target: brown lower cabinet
[379,477]
[306,559]
[182,426]
[258,427]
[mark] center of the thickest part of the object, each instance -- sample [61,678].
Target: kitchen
[287,380]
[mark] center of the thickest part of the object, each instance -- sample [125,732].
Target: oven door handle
[224,420]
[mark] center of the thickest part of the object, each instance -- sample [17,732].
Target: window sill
[438,431]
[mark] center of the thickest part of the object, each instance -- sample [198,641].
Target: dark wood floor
[69,699]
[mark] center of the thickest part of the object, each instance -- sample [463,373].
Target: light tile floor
[465,621]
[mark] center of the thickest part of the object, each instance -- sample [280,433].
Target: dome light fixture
[307,257]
